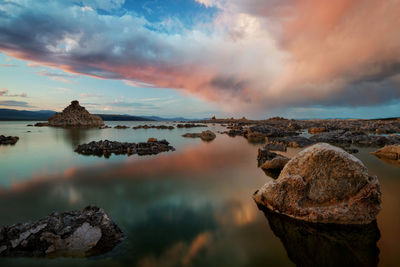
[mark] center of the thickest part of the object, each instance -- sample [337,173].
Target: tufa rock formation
[8,140]
[75,116]
[207,135]
[323,184]
[388,152]
[76,233]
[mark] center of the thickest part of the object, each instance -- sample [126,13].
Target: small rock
[207,135]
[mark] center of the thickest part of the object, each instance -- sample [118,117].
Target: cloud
[253,55]
[8,65]
[12,103]
[5,92]
[62,77]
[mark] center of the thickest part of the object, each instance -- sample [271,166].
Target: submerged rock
[106,148]
[323,184]
[41,124]
[312,244]
[75,116]
[207,135]
[76,233]
[121,127]
[159,127]
[192,135]
[8,140]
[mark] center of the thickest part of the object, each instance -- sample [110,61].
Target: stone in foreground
[76,233]
[75,116]
[8,140]
[323,184]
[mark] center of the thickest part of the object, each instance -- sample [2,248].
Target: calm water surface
[191,207]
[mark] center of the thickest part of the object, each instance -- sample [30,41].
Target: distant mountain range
[43,115]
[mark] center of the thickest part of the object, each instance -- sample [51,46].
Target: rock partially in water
[255,137]
[207,135]
[192,135]
[121,127]
[276,147]
[190,125]
[75,116]
[159,127]
[41,124]
[8,140]
[291,141]
[76,233]
[323,184]
[311,244]
[106,148]
[388,152]
[277,163]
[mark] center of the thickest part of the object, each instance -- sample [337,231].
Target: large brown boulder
[75,116]
[323,184]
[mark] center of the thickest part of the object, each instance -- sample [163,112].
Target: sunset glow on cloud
[241,56]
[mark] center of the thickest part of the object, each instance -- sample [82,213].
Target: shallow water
[191,207]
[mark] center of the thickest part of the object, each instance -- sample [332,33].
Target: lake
[190,207]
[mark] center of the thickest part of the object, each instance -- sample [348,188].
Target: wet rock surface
[121,127]
[192,135]
[106,148]
[41,124]
[8,140]
[312,244]
[76,233]
[75,116]
[207,135]
[323,184]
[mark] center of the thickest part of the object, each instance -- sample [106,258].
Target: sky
[199,58]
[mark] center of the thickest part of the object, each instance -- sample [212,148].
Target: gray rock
[75,233]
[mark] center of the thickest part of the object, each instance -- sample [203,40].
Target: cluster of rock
[205,135]
[323,184]
[121,127]
[8,140]
[75,116]
[159,127]
[190,125]
[76,233]
[106,148]
[270,162]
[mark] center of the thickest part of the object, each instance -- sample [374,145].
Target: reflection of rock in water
[76,136]
[311,244]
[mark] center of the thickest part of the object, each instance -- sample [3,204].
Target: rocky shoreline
[106,148]
[76,233]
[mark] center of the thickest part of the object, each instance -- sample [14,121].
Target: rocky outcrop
[75,116]
[323,184]
[342,245]
[8,140]
[106,148]
[388,152]
[41,124]
[76,233]
[207,135]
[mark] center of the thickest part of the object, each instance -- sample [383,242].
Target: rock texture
[8,140]
[192,135]
[75,116]
[388,152]
[75,233]
[106,148]
[207,135]
[323,184]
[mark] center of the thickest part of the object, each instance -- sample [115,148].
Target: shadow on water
[311,244]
